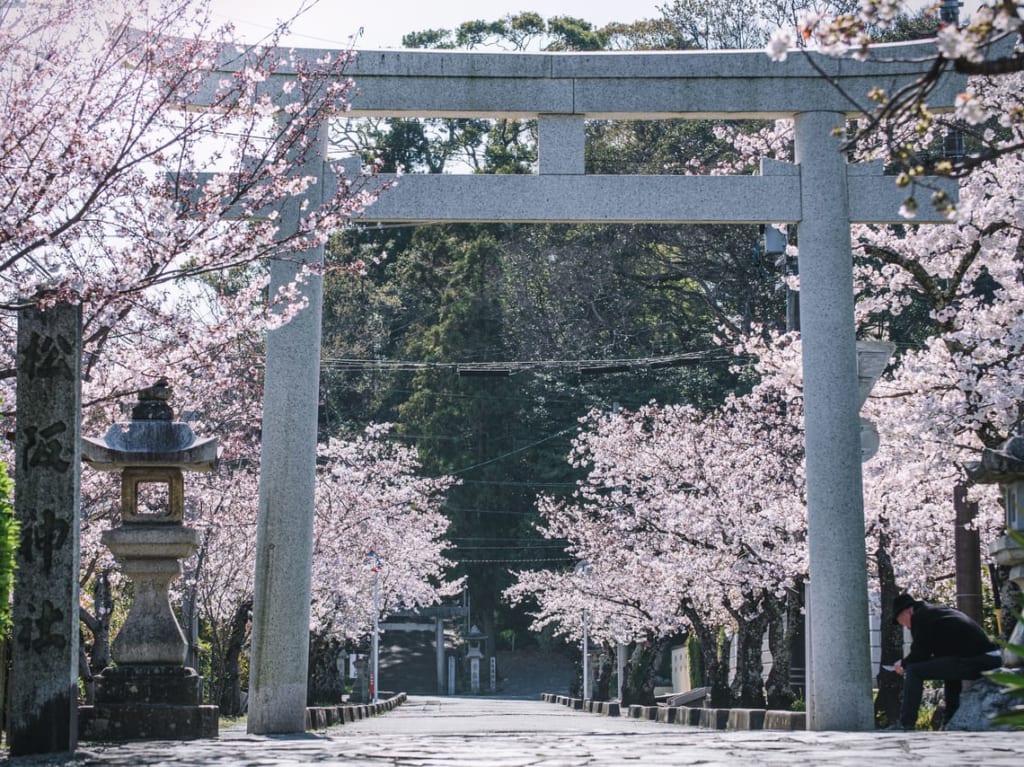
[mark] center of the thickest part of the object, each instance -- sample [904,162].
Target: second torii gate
[820,191]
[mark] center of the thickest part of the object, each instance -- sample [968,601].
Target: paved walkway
[465,732]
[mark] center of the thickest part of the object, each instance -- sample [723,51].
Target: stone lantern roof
[151,438]
[1004,464]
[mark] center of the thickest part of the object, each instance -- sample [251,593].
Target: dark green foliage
[508,334]
[695,662]
[8,545]
[572,34]
[439,39]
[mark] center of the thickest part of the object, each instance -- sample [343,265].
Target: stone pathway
[471,732]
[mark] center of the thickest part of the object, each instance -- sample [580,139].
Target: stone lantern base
[148,703]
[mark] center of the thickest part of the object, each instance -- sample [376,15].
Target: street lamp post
[586,655]
[373,561]
[583,568]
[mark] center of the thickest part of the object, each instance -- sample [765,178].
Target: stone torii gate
[820,191]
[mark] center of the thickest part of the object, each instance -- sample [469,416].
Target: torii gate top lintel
[733,84]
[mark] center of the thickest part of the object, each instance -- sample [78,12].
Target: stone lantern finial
[152,403]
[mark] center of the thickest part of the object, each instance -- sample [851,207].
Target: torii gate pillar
[839,661]
[284,532]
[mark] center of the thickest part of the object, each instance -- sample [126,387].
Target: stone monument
[44,653]
[150,693]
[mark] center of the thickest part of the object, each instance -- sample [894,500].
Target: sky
[332,23]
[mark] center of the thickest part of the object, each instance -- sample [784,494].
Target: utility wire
[492,561]
[504,369]
[514,452]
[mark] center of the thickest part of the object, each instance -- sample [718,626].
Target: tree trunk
[603,678]
[98,621]
[325,686]
[642,671]
[890,685]
[715,658]
[784,620]
[229,684]
[748,683]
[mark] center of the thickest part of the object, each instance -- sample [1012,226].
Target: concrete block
[785,720]
[745,719]
[127,721]
[636,711]
[714,718]
[693,716]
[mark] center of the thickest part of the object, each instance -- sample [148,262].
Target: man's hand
[898,667]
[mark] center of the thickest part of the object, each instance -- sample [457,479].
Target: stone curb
[322,717]
[708,718]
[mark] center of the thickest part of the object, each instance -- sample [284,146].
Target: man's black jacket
[938,631]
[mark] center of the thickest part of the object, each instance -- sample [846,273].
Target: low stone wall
[708,718]
[322,717]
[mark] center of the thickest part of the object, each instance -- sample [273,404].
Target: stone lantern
[1005,465]
[474,654]
[150,693]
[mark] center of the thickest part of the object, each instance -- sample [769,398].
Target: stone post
[284,533]
[439,650]
[839,666]
[44,656]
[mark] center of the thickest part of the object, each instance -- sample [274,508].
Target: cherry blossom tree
[98,150]
[689,520]
[370,499]
[899,123]
[103,201]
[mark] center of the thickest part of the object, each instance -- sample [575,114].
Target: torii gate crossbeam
[821,192]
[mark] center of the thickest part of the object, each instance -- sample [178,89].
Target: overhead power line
[509,368]
[490,561]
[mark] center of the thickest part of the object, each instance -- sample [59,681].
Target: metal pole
[586,656]
[620,663]
[375,648]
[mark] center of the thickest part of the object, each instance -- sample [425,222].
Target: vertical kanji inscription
[44,673]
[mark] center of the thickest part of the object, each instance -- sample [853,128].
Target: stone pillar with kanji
[44,655]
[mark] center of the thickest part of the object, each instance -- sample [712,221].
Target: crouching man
[945,644]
